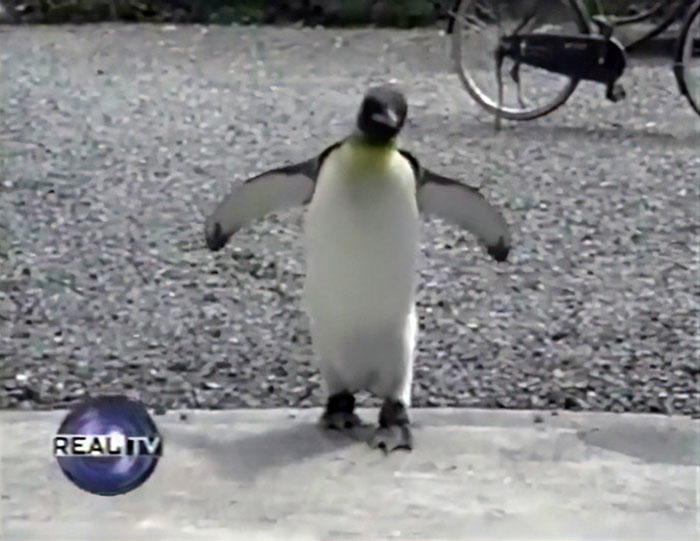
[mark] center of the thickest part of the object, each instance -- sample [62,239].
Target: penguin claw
[391,438]
[340,420]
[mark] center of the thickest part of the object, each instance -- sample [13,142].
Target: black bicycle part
[579,18]
[591,58]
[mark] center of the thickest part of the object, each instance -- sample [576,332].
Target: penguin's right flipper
[274,190]
[462,205]
[465,206]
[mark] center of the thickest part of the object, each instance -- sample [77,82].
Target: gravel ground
[116,141]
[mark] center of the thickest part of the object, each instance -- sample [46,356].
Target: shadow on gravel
[645,136]
[484,131]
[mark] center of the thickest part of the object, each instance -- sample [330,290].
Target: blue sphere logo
[108,445]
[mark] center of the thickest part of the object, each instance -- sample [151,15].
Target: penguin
[364,197]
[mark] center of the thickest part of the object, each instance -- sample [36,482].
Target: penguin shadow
[244,459]
[480,128]
[613,133]
[483,130]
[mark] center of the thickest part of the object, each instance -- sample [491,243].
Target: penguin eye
[375,106]
[370,108]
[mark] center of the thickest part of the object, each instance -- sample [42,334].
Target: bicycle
[557,44]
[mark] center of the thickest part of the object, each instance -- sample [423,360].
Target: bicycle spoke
[468,21]
[515,75]
[499,83]
[494,11]
[526,20]
[485,12]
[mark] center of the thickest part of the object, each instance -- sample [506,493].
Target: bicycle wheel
[687,66]
[527,92]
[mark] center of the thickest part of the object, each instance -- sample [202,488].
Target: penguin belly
[362,232]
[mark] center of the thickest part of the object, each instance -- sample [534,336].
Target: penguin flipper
[274,190]
[464,206]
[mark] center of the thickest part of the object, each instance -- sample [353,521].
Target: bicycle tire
[684,52]
[508,113]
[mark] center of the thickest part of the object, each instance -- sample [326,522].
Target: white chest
[362,236]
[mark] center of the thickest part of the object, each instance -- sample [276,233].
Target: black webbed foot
[393,431]
[339,413]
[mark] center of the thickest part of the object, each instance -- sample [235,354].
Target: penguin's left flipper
[464,206]
[274,190]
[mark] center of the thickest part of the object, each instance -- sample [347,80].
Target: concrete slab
[271,474]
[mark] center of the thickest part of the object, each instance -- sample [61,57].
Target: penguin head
[382,113]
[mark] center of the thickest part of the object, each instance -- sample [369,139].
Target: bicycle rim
[690,57]
[478,26]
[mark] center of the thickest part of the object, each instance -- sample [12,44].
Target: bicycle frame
[598,58]
[604,59]
[575,4]
[583,14]
[593,53]
[674,15]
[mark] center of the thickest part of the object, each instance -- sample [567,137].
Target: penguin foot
[391,438]
[340,421]
[393,431]
[339,414]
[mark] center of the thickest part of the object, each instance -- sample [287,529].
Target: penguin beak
[387,118]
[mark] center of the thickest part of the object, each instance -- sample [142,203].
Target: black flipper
[461,205]
[274,190]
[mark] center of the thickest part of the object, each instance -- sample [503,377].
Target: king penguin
[364,198]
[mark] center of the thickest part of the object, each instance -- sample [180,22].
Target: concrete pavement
[271,474]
